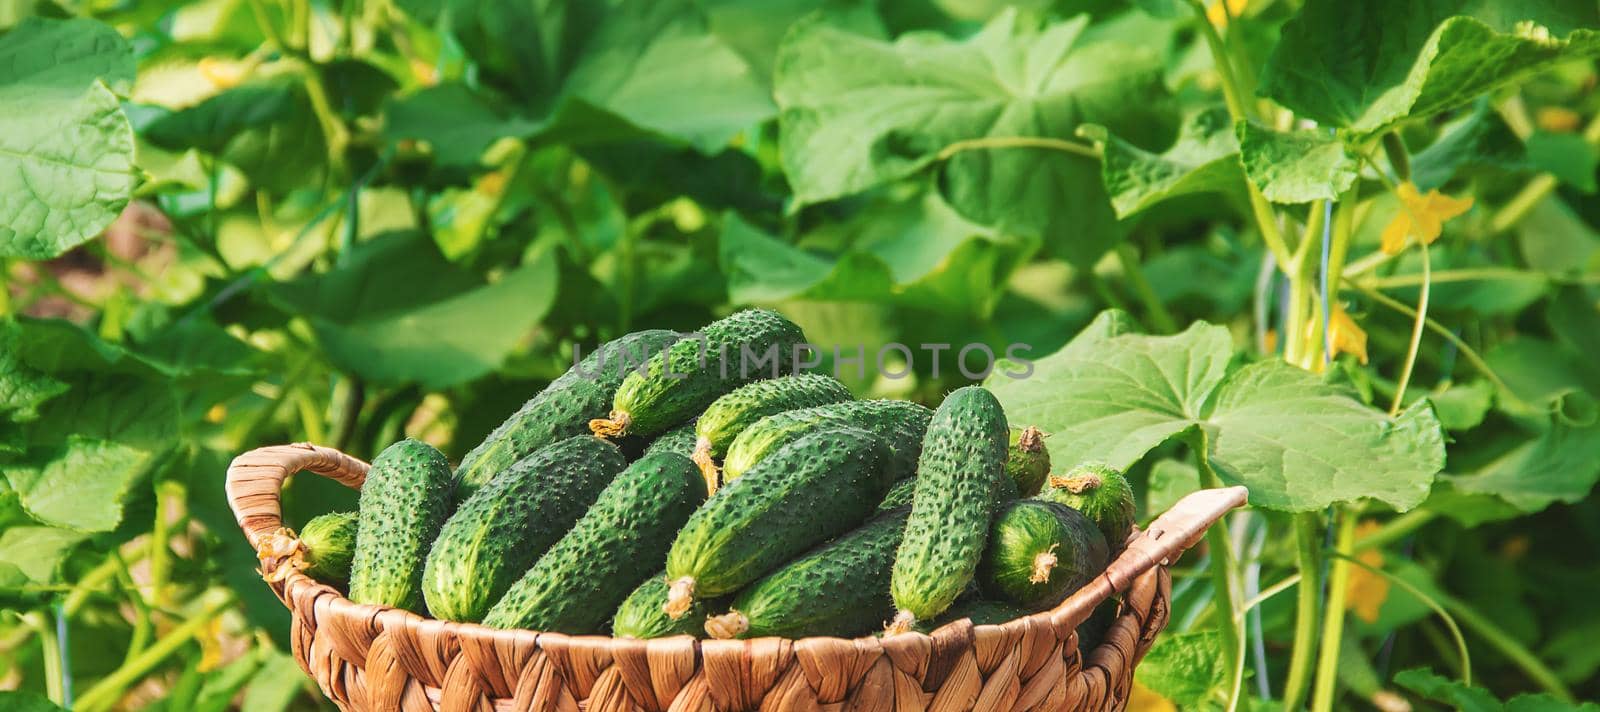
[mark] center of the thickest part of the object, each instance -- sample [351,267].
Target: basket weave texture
[375,659]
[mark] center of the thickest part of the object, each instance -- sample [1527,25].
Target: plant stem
[167,493]
[1269,592]
[1508,646]
[1467,352]
[1308,599]
[49,653]
[1430,602]
[1333,615]
[1536,190]
[1223,567]
[142,623]
[1395,529]
[1416,335]
[991,142]
[1395,149]
[1160,317]
[110,689]
[5,288]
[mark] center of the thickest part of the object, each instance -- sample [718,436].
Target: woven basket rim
[1159,544]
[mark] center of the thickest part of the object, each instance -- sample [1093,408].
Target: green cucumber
[958,482]
[814,488]
[643,615]
[1102,493]
[579,582]
[505,526]
[839,589]
[563,409]
[899,495]
[900,423]
[692,373]
[731,414]
[404,502]
[330,542]
[1027,460]
[980,611]
[1038,553]
[679,440]
[1092,631]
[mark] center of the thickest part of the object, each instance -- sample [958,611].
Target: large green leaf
[1205,159]
[1189,669]
[66,149]
[1367,64]
[27,702]
[1480,138]
[38,551]
[80,486]
[22,388]
[858,113]
[1296,166]
[455,121]
[1297,442]
[1561,463]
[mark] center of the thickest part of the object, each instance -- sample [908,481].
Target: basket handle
[255,481]
[1174,532]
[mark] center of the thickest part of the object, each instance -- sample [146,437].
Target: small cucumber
[563,409]
[731,414]
[980,611]
[814,488]
[679,440]
[899,495]
[404,501]
[643,615]
[901,424]
[1038,553]
[1102,494]
[504,527]
[958,482]
[579,582]
[692,373]
[839,589]
[1092,631]
[330,542]
[1027,460]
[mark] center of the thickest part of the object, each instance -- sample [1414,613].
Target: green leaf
[1476,699]
[1296,166]
[846,128]
[1368,64]
[1204,160]
[457,122]
[1297,442]
[27,702]
[1560,464]
[211,124]
[38,551]
[1566,156]
[66,149]
[1186,668]
[1479,139]
[79,487]
[22,388]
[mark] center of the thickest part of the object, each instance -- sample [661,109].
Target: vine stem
[1508,646]
[1536,190]
[1430,602]
[109,689]
[1223,566]
[5,288]
[1322,692]
[50,654]
[1416,335]
[1308,559]
[1160,317]
[990,142]
[1470,354]
[1395,529]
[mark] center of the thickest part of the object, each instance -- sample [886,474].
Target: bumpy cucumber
[622,539]
[404,502]
[731,414]
[814,488]
[901,424]
[563,409]
[958,481]
[839,589]
[330,542]
[1027,460]
[1102,494]
[499,532]
[692,373]
[679,440]
[981,611]
[643,615]
[1038,553]
[899,495]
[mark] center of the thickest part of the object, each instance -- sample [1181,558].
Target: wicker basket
[372,659]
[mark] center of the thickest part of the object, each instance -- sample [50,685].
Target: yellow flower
[1421,216]
[1144,699]
[1345,336]
[1366,591]
[222,74]
[426,74]
[1220,11]
[1558,119]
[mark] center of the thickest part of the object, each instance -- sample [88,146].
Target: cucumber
[692,373]
[1038,553]
[505,526]
[643,615]
[330,542]
[958,482]
[1102,494]
[839,589]
[622,539]
[814,488]
[1092,631]
[731,414]
[404,501]
[900,423]
[679,440]
[899,495]
[1027,460]
[563,409]
[980,611]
